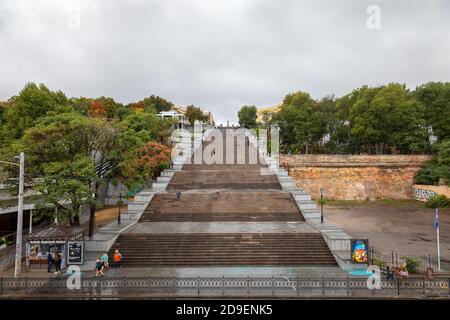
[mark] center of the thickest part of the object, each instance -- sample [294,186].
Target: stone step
[146,192]
[311,215]
[302,197]
[223,249]
[167,173]
[159,185]
[163,179]
[137,205]
[304,204]
[311,210]
[223,206]
[143,198]
[289,187]
[298,192]
[128,216]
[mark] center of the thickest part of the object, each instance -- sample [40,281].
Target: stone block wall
[355,177]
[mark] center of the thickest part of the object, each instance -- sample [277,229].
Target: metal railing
[278,286]
[423,262]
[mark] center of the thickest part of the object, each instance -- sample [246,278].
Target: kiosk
[63,240]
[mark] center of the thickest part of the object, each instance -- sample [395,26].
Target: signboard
[75,252]
[359,250]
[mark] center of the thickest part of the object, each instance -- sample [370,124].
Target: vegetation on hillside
[388,119]
[73,144]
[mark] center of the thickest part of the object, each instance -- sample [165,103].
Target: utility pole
[18,261]
[120,205]
[31,221]
[321,205]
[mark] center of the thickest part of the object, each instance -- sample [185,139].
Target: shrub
[379,263]
[163,166]
[412,265]
[428,175]
[437,201]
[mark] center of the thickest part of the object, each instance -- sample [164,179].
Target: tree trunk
[92,218]
[306,147]
[93,208]
[76,221]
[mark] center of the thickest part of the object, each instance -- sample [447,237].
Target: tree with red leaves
[97,109]
[152,155]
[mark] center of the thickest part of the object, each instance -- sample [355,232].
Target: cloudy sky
[220,54]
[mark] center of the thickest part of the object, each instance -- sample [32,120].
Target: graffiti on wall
[423,195]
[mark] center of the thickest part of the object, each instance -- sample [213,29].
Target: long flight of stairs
[189,250]
[263,210]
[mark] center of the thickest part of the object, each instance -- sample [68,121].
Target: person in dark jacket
[49,262]
[57,263]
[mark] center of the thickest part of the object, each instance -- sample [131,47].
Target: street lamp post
[18,258]
[18,261]
[120,205]
[321,205]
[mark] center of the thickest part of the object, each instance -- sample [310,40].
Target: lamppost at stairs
[321,205]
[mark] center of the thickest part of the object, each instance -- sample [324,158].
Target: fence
[422,262]
[223,286]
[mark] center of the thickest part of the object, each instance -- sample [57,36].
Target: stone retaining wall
[355,177]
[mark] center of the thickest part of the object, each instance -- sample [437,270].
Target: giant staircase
[225,215]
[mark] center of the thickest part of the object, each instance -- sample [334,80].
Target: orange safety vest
[117,257]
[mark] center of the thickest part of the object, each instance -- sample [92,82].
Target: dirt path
[406,228]
[105,216]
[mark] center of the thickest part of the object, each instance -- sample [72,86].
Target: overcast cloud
[219,54]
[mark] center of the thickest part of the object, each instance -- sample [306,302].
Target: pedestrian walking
[98,267]
[105,260]
[59,254]
[57,263]
[49,262]
[389,274]
[117,259]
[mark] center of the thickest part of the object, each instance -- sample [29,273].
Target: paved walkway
[231,271]
[404,228]
[198,271]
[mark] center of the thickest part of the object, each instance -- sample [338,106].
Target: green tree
[80,105]
[266,117]
[301,121]
[148,126]
[247,116]
[388,119]
[32,103]
[194,113]
[112,108]
[156,104]
[63,138]
[438,167]
[2,110]
[435,98]
[65,186]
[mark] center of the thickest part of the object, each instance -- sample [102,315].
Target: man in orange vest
[117,259]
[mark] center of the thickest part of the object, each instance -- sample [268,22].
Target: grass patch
[343,203]
[387,202]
